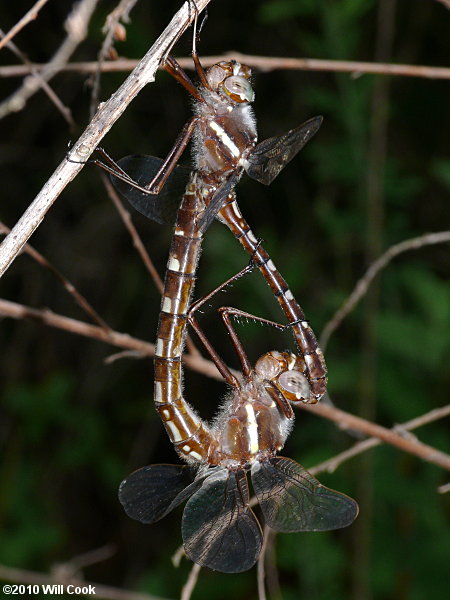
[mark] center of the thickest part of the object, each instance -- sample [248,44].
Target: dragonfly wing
[293,500]
[219,529]
[272,155]
[217,200]
[160,207]
[150,493]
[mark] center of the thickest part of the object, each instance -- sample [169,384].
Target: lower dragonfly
[219,529]
[225,146]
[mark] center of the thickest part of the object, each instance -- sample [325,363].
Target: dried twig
[68,286]
[64,110]
[104,119]
[191,582]
[263,63]
[386,435]
[120,340]
[261,572]
[331,464]
[76,27]
[120,13]
[27,18]
[363,284]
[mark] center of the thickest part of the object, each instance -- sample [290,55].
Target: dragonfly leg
[156,184]
[220,364]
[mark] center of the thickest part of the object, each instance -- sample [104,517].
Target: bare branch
[36,76]
[261,573]
[68,286]
[102,122]
[76,27]
[120,340]
[333,463]
[386,435]
[363,284]
[263,63]
[27,18]
[191,582]
[120,13]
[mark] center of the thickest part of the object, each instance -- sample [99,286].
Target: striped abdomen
[184,427]
[315,368]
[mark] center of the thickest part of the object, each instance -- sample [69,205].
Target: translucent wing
[150,493]
[273,154]
[218,199]
[293,500]
[162,207]
[219,529]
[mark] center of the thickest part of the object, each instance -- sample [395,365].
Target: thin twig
[68,286]
[261,574]
[120,13]
[102,122]
[444,489]
[263,63]
[101,591]
[120,340]
[64,110]
[333,463]
[363,284]
[27,18]
[386,435]
[76,26]
[191,582]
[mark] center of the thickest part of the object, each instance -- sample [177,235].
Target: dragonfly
[219,528]
[225,146]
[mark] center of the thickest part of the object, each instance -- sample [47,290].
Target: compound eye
[239,89]
[294,385]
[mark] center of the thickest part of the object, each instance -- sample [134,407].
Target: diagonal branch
[363,284]
[333,463]
[386,435]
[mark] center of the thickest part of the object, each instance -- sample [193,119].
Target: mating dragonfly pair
[219,529]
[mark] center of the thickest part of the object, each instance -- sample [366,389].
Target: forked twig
[363,284]
[27,18]
[76,27]
[102,122]
[386,435]
[334,462]
[68,286]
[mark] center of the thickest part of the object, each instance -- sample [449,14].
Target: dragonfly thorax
[226,130]
[250,426]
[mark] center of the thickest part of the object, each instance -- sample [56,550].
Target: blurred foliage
[72,426]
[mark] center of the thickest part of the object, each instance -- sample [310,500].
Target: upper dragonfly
[225,145]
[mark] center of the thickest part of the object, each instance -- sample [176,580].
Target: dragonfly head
[231,80]
[286,372]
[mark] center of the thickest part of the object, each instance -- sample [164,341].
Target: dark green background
[72,426]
